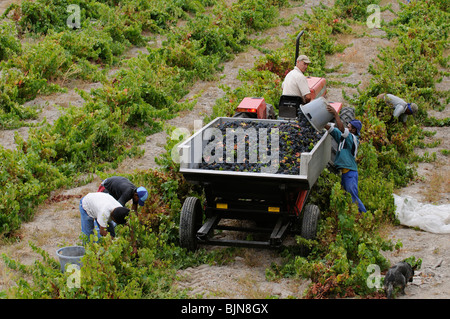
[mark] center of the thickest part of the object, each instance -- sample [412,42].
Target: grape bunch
[257,147]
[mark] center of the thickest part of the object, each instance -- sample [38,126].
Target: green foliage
[16,87]
[257,14]
[9,44]
[385,158]
[356,9]
[26,179]
[416,264]
[110,270]
[133,103]
[46,60]
[348,242]
[90,44]
[317,42]
[63,53]
[411,68]
[142,260]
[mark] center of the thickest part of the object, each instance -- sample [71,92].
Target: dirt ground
[57,221]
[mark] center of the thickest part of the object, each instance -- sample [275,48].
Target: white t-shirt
[99,206]
[295,83]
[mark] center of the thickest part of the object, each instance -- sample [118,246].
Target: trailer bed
[311,164]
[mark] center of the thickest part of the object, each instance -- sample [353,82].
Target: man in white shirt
[295,83]
[101,211]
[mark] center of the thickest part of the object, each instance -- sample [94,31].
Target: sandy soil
[57,222]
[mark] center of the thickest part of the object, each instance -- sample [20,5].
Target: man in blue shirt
[348,141]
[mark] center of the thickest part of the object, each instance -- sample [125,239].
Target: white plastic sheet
[428,217]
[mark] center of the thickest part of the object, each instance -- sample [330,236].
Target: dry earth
[57,222]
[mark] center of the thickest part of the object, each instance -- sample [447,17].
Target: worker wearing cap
[123,190]
[295,82]
[345,161]
[401,108]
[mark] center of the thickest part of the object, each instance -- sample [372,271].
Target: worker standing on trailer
[295,82]
[401,108]
[123,190]
[348,141]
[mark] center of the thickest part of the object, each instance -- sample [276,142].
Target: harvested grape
[254,146]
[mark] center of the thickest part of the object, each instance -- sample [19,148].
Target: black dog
[398,276]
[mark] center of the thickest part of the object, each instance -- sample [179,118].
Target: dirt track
[57,222]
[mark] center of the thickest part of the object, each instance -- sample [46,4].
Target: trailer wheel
[347,114]
[311,216]
[190,222]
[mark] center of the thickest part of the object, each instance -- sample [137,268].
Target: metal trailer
[274,202]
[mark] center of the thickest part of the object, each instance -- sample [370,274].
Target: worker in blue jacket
[348,141]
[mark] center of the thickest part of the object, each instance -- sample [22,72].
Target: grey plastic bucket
[316,112]
[70,255]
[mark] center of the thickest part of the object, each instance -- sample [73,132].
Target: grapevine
[143,93]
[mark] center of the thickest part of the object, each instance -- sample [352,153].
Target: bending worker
[123,190]
[401,108]
[102,212]
[295,82]
[348,141]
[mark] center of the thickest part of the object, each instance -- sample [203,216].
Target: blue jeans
[349,181]
[88,224]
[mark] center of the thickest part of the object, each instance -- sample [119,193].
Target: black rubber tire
[311,215]
[190,222]
[347,114]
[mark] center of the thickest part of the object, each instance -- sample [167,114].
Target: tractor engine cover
[253,105]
